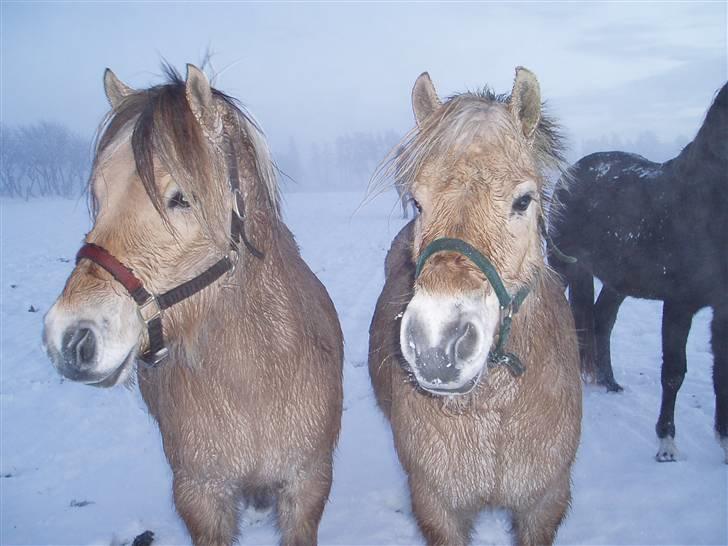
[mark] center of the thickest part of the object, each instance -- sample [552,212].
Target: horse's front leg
[719,342]
[537,525]
[208,508]
[301,502]
[605,314]
[439,522]
[676,321]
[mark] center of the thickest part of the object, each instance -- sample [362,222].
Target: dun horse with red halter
[472,353]
[190,275]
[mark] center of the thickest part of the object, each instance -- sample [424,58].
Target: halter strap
[237,220]
[551,245]
[509,305]
[149,306]
[118,270]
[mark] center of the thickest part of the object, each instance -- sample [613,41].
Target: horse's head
[162,208]
[474,165]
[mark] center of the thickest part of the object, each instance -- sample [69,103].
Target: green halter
[509,304]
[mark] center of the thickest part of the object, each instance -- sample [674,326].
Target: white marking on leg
[667,453]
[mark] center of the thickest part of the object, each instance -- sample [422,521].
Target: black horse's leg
[676,321]
[581,299]
[719,341]
[605,313]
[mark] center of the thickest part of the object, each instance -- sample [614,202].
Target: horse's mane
[708,149]
[462,119]
[162,125]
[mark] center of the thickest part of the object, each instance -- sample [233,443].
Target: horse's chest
[457,455]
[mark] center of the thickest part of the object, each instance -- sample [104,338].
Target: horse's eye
[417,204]
[178,201]
[521,204]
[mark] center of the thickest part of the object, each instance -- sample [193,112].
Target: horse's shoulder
[399,256]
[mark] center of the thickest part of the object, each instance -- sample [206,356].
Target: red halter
[150,306]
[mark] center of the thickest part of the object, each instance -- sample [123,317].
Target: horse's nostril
[79,347]
[467,344]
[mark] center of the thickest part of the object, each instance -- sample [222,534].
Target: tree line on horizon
[43,159]
[47,159]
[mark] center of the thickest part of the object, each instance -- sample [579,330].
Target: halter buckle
[149,310]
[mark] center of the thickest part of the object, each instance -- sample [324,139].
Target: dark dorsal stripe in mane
[164,127]
[452,127]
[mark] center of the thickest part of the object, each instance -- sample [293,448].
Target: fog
[319,76]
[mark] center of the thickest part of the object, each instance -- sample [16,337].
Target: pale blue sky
[316,70]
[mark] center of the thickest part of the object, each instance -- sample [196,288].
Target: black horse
[656,231]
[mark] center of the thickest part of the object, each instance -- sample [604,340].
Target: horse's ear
[525,102]
[200,98]
[116,90]
[424,98]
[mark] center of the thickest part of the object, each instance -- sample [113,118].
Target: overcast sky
[317,70]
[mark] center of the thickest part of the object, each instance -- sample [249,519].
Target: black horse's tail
[580,283]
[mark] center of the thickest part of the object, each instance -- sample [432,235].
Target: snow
[641,167]
[644,171]
[80,465]
[601,169]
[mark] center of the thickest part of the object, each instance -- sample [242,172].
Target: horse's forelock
[455,125]
[164,127]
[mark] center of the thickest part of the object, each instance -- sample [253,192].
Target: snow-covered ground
[80,465]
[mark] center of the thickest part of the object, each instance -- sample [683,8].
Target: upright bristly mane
[708,152]
[163,127]
[458,122]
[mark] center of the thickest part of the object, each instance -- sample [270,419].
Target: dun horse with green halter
[190,275]
[472,352]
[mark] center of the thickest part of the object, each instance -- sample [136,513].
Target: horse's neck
[706,151]
[531,320]
[225,309]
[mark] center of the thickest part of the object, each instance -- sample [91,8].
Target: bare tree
[12,167]
[44,159]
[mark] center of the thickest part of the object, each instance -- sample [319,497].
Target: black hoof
[611,385]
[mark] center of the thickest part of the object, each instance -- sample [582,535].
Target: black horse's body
[656,231]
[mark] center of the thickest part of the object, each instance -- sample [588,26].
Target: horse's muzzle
[95,350]
[445,342]
[78,347]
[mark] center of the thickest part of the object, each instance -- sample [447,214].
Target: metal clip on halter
[150,311]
